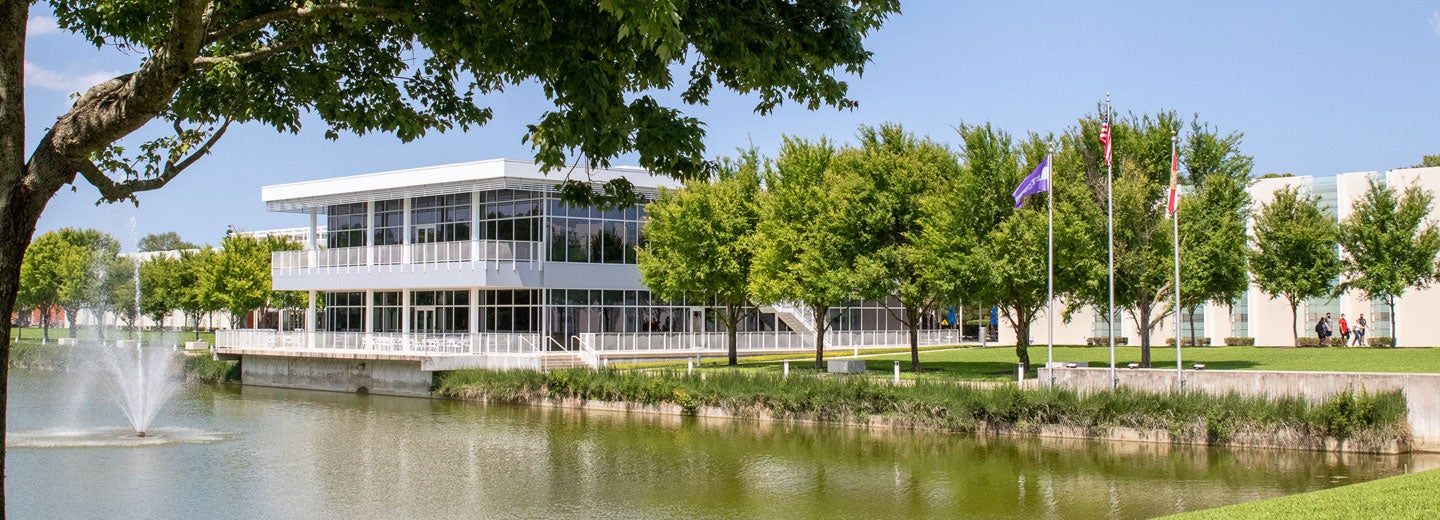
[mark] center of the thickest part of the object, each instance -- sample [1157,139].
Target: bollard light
[787,369]
[897,372]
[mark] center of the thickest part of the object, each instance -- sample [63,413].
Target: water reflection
[310,454]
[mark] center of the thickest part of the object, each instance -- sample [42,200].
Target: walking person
[1329,329]
[1320,331]
[1361,326]
[1344,331]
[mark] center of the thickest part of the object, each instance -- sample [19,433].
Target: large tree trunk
[821,321]
[70,314]
[1022,339]
[913,324]
[1145,329]
[732,322]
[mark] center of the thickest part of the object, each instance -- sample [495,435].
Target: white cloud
[1435,21]
[40,26]
[37,76]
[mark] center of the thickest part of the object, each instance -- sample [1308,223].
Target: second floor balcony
[425,256]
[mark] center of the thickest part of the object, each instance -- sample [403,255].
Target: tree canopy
[167,241]
[698,241]
[1390,244]
[1294,251]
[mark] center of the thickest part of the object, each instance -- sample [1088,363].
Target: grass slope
[1404,496]
[998,363]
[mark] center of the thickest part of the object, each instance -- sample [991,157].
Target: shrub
[1381,342]
[1102,341]
[204,369]
[1333,341]
[1239,342]
[1307,342]
[1188,342]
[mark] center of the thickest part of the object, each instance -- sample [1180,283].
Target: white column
[405,238]
[369,238]
[369,312]
[405,311]
[310,312]
[474,310]
[474,226]
[310,237]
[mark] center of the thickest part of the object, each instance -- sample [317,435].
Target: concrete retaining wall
[1422,391]
[404,378]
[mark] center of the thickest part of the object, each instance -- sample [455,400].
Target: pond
[252,452]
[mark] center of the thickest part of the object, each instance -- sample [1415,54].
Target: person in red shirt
[1344,331]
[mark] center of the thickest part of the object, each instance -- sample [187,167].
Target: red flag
[1105,140]
[1174,199]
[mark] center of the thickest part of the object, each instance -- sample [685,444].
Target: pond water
[256,452]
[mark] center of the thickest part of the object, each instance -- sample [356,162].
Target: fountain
[140,379]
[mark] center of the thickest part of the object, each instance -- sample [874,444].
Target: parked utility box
[845,366]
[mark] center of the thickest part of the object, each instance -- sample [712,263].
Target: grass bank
[196,367]
[1403,496]
[998,363]
[1191,417]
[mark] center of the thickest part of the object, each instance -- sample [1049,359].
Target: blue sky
[1318,88]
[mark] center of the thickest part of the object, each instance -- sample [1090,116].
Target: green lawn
[1404,496]
[88,333]
[998,363]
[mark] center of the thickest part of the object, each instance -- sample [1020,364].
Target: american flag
[1105,139]
[1174,200]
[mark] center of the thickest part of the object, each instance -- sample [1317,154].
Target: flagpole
[1175,225]
[1050,263]
[1110,229]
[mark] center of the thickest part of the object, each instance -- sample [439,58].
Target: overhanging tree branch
[259,22]
[111,191]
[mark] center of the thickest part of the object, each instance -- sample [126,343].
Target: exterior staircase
[797,318]
[560,361]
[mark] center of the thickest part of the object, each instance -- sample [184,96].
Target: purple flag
[1037,182]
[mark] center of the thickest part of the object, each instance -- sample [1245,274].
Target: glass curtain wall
[509,311]
[591,234]
[510,215]
[439,312]
[345,312]
[440,218]
[345,225]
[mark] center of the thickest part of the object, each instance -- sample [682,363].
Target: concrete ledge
[196,345]
[383,377]
[845,366]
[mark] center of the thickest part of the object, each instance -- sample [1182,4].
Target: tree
[877,192]
[1390,244]
[240,276]
[406,69]
[196,293]
[66,272]
[49,262]
[283,300]
[167,241]
[698,241]
[1144,262]
[987,250]
[159,287]
[1293,250]
[1213,252]
[118,292]
[1428,161]
[802,252]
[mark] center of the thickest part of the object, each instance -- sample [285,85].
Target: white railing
[466,344]
[399,254]
[590,347]
[615,343]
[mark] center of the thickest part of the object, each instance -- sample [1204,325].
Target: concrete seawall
[383,377]
[1422,391]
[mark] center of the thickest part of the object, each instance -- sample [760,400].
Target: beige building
[1268,320]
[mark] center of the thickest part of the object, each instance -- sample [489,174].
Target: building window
[345,225]
[591,234]
[439,312]
[440,218]
[386,311]
[389,222]
[509,311]
[1240,316]
[510,215]
[345,312]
